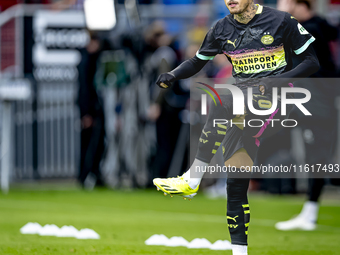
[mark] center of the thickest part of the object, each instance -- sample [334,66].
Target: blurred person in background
[155,53]
[166,107]
[325,33]
[249,28]
[197,33]
[319,129]
[92,116]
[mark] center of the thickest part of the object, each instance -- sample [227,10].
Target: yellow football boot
[177,186]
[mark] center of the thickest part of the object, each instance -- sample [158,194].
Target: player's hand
[265,86]
[165,80]
[262,89]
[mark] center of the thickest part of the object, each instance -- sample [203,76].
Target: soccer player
[259,42]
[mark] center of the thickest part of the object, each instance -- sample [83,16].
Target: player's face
[237,6]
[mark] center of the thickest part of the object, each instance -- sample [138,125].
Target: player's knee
[240,159]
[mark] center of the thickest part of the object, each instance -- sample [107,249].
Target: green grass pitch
[125,220]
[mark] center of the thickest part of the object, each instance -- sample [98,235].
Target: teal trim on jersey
[304,47]
[259,9]
[204,57]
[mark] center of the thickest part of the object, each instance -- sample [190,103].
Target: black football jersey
[261,48]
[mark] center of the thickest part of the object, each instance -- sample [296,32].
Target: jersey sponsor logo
[302,30]
[257,61]
[233,43]
[267,39]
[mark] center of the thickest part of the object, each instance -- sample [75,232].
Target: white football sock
[195,174]
[310,211]
[239,249]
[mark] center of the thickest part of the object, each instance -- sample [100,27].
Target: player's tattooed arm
[246,16]
[185,70]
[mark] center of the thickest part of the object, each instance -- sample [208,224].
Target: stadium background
[96,118]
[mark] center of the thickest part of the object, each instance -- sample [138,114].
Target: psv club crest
[267,39]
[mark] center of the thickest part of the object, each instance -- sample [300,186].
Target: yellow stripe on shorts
[222,126]
[221,132]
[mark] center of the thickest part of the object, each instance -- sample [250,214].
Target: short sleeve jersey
[261,48]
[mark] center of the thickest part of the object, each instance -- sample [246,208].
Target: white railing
[43,130]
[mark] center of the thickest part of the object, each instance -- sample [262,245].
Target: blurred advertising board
[52,40]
